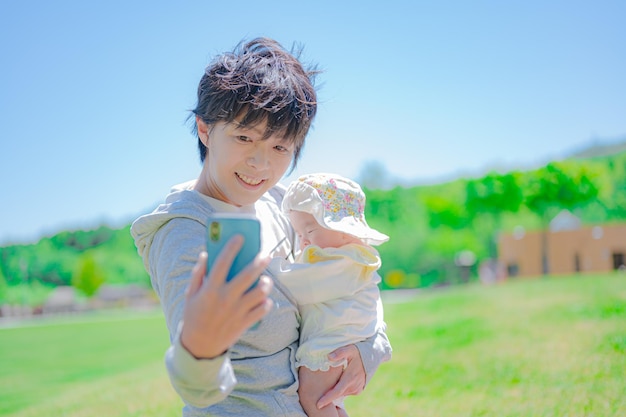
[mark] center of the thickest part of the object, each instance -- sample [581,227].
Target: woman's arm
[375,349]
[205,316]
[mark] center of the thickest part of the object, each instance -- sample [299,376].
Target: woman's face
[240,166]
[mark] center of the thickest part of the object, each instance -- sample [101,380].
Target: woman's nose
[258,158]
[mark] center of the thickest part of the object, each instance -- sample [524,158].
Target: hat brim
[303,197]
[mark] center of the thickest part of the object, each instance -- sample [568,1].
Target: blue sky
[94,96]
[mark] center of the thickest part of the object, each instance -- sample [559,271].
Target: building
[571,248]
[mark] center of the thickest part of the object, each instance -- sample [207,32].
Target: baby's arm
[313,384]
[319,282]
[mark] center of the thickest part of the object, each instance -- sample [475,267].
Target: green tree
[487,198]
[445,211]
[613,191]
[4,287]
[558,185]
[88,276]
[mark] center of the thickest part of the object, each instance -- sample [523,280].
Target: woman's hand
[352,380]
[218,312]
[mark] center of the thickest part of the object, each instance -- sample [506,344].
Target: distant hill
[374,175]
[598,149]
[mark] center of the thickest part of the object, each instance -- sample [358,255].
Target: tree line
[431,226]
[432,229]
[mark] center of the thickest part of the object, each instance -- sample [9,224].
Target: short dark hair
[259,81]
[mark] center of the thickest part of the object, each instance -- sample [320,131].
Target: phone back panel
[221,227]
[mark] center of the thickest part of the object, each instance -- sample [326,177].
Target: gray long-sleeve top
[257,376]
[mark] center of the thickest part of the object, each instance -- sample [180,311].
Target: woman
[255,107]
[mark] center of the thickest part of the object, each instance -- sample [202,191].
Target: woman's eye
[281,149]
[242,138]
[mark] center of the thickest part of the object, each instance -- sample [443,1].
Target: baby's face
[310,232]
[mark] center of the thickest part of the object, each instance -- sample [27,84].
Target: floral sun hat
[337,203]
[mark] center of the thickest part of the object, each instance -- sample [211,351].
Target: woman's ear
[203,131]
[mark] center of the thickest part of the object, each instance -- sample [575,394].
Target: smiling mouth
[248,180]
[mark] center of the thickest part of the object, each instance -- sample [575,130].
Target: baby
[334,279]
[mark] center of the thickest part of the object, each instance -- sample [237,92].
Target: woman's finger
[352,380]
[197,275]
[345,352]
[254,304]
[248,276]
[261,304]
[224,260]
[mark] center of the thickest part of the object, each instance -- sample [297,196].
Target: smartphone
[221,227]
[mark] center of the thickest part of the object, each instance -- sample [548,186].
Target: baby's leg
[314,384]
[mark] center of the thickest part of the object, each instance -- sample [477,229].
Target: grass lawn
[108,364]
[540,347]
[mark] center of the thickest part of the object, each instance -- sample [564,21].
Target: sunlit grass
[92,365]
[542,347]
[144,391]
